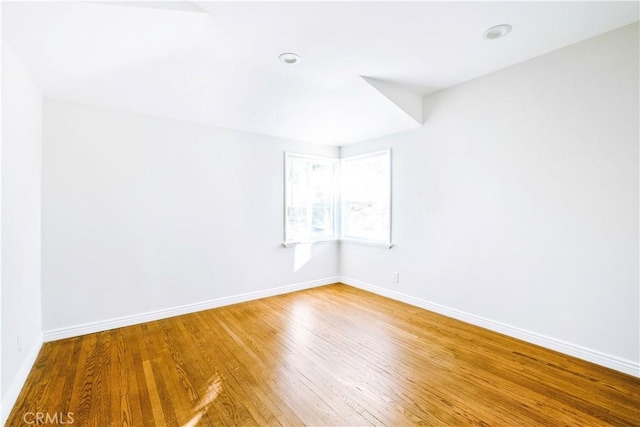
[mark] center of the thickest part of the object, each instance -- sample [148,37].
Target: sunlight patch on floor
[215,387]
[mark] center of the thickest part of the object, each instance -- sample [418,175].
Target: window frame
[335,198]
[337,201]
[387,242]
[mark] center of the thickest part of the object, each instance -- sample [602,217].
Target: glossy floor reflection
[333,355]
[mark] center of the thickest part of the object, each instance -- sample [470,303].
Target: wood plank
[333,355]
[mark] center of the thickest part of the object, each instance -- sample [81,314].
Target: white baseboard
[607,360]
[9,399]
[105,325]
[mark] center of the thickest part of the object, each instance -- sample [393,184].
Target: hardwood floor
[333,355]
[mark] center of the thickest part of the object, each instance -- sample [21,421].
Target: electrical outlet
[19,344]
[396,276]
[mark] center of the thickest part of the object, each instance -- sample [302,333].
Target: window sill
[313,242]
[382,245]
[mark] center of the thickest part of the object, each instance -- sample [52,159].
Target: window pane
[309,198]
[366,197]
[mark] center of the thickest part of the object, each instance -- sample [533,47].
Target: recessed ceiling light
[497,32]
[289,58]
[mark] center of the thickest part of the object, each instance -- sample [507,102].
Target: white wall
[143,214]
[517,201]
[21,295]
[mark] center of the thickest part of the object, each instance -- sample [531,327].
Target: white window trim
[293,244]
[337,204]
[364,242]
[369,242]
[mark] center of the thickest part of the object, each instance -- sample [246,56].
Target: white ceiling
[217,62]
